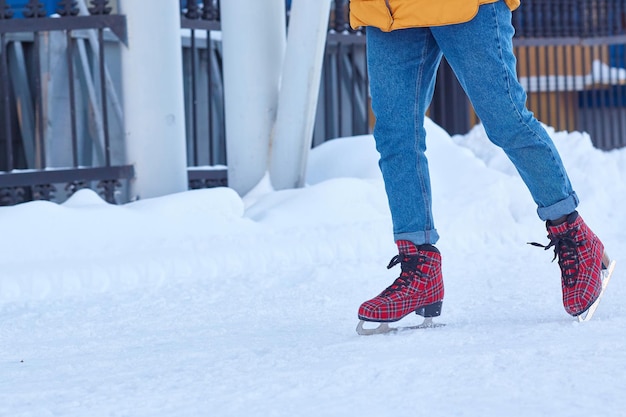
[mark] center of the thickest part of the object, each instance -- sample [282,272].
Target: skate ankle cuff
[569,218]
[428,248]
[406,247]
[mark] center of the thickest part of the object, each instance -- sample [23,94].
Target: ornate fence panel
[204,93]
[42,154]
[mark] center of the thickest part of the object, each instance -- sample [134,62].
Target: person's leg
[481,54]
[401,66]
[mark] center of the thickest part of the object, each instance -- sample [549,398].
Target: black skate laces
[409,266]
[565,247]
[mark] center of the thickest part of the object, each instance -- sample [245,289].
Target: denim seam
[417,111]
[499,39]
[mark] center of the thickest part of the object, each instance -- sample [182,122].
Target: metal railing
[37,160]
[344,104]
[204,94]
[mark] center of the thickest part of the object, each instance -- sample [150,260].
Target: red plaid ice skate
[580,255]
[419,288]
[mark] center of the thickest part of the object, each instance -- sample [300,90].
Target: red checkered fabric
[419,287]
[406,247]
[580,259]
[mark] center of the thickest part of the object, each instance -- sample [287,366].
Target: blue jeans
[402,67]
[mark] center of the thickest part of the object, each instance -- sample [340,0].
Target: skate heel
[606,260]
[431,310]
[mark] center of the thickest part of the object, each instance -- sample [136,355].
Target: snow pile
[206,303]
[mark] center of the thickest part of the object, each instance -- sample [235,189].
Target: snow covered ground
[207,304]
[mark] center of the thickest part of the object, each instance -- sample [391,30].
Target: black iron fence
[204,93]
[344,105]
[40,160]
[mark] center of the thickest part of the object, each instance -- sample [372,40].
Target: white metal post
[152,78]
[299,91]
[254,39]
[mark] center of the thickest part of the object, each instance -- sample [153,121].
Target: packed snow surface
[205,303]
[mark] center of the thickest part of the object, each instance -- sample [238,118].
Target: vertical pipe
[152,80]
[253,55]
[566,90]
[575,91]
[621,13]
[209,66]
[340,88]
[557,88]
[103,99]
[611,82]
[299,93]
[366,83]
[328,92]
[40,153]
[598,95]
[6,97]
[353,93]
[194,100]
[210,12]
[618,62]
[70,82]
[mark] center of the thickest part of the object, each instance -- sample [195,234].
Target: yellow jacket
[400,14]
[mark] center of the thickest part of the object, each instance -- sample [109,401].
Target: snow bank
[205,303]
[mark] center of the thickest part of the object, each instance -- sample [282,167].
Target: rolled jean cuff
[419,238]
[559,209]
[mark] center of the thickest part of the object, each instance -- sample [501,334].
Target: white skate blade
[384,328]
[606,277]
